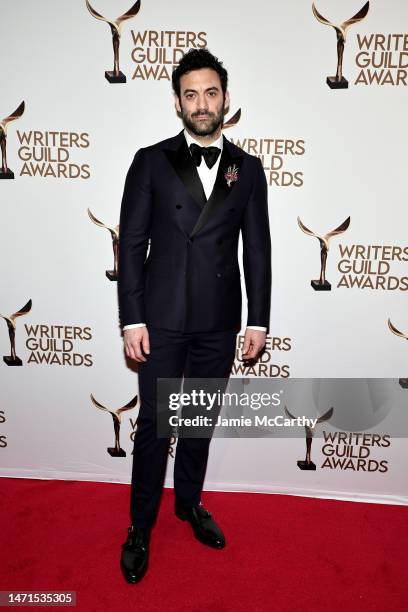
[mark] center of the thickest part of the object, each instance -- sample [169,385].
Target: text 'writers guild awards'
[338,81]
[114,232]
[322,284]
[12,359]
[308,464]
[116,415]
[115,75]
[402,381]
[5,172]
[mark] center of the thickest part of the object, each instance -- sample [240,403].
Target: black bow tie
[210,154]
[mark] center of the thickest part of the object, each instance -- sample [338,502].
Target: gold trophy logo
[232,121]
[114,232]
[402,381]
[338,81]
[115,75]
[308,464]
[322,284]
[12,359]
[116,415]
[5,172]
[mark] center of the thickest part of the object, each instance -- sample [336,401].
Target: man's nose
[202,102]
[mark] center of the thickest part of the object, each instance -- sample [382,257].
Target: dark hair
[195,59]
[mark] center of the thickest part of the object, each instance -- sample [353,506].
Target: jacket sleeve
[256,245]
[134,229]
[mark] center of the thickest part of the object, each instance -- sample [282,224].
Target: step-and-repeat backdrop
[319,93]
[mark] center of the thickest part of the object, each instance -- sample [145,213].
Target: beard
[203,128]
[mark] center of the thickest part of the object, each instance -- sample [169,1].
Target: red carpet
[283,553]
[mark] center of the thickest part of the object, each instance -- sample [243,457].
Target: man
[180,308]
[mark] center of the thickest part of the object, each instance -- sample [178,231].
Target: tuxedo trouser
[173,354]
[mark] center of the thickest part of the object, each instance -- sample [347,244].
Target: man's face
[202,103]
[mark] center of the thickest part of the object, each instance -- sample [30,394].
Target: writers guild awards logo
[115,75]
[265,365]
[338,81]
[308,464]
[232,121]
[402,381]
[12,359]
[5,172]
[114,232]
[172,440]
[322,284]
[116,415]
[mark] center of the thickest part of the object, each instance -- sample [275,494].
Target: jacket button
[178,206]
[219,275]
[219,241]
[232,209]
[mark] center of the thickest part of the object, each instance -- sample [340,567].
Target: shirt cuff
[256,327]
[132,325]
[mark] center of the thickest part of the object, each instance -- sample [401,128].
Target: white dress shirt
[207,176]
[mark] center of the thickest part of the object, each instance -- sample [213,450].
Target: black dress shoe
[205,528]
[135,554]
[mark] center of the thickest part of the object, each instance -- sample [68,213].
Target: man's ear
[177,103]
[226,101]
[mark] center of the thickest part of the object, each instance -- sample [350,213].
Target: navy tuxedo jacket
[190,280]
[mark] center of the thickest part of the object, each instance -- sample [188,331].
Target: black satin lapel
[220,190]
[184,166]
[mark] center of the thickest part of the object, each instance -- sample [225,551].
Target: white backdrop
[345,156]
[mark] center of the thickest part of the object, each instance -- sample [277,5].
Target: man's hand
[136,339]
[254,342]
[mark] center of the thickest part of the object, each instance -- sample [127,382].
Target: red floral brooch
[231,175]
